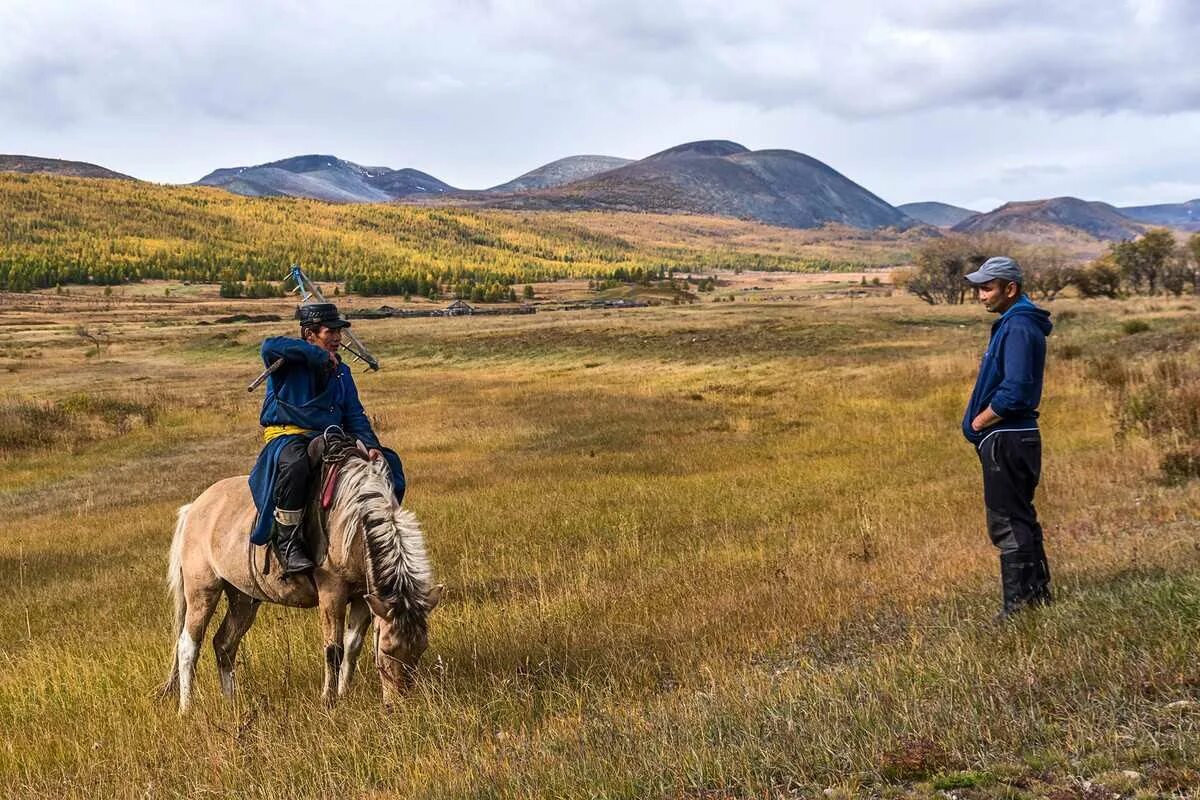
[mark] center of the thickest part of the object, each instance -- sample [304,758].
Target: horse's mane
[397,564]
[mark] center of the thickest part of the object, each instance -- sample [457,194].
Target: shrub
[1161,398]
[1132,326]
[1101,278]
[1181,465]
[1068,352]
[1109,370]
[27,424]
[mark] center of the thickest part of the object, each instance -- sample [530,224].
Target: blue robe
[305,392]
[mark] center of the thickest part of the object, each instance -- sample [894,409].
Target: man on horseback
[310,391]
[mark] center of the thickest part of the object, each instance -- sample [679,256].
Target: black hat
[325,314]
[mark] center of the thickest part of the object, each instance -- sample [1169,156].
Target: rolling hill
[55,166]
[557,173]
[778,187]
[939,215]
[1047,219]
[325,177]
[62,230]
[1176,215]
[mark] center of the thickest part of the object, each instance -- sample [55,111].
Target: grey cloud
[1024,172]
[854,59]
[880,59]
[473,90]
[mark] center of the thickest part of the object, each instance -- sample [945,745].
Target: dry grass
[729,550]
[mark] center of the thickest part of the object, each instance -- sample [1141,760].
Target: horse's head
[401,636]
[394,563]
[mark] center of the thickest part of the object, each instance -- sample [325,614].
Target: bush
[1161,398]
[1068,352]
[1132,326]
[28,424]
[1101,278]
[1181,465]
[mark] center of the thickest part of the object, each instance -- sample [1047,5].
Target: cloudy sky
[972,102]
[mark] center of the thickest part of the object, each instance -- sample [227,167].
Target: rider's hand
[374,454]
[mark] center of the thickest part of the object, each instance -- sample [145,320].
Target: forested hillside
[61,230]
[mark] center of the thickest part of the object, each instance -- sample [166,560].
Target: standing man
[312,391]
[1002,422]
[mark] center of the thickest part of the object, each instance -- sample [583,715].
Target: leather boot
[1039,584]
[1012,583]
[289,543]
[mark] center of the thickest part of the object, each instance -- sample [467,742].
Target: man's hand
[986,419]
[374,454]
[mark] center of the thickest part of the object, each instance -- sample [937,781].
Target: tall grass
[715,551]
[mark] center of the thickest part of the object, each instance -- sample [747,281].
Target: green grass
[725,550]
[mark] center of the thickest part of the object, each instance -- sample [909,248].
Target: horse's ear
[379,607]
[435,596]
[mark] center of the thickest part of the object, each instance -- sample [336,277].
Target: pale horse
[371,559]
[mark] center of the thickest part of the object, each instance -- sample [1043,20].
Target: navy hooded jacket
[1010,375]
[307,393]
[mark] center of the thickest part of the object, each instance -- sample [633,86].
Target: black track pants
[292,475]
[1012,466]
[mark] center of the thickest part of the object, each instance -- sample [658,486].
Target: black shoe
[289,548]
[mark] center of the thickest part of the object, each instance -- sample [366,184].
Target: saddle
[326,454]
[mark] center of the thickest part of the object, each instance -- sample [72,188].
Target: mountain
[1042,218]
[940,215]
[1176,215]
[778,187]
[323,177]
[407,181]
[701,149]
[54,166]
[556,173]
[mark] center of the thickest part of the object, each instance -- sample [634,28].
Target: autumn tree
[1145,262]
[943,263]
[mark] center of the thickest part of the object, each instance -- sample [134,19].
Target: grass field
[728,550]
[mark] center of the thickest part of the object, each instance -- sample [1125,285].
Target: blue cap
[1001,267]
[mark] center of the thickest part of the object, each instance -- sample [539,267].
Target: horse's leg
[238,618]
[357,622]
[201,602]
[333,618]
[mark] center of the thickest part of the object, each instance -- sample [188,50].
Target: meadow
[722,550]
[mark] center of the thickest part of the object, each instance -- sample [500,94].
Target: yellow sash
[275,431]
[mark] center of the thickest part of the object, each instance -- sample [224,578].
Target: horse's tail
[175,587]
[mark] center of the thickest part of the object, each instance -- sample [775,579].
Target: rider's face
[328,338]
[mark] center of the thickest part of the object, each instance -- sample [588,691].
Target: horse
[371,559]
